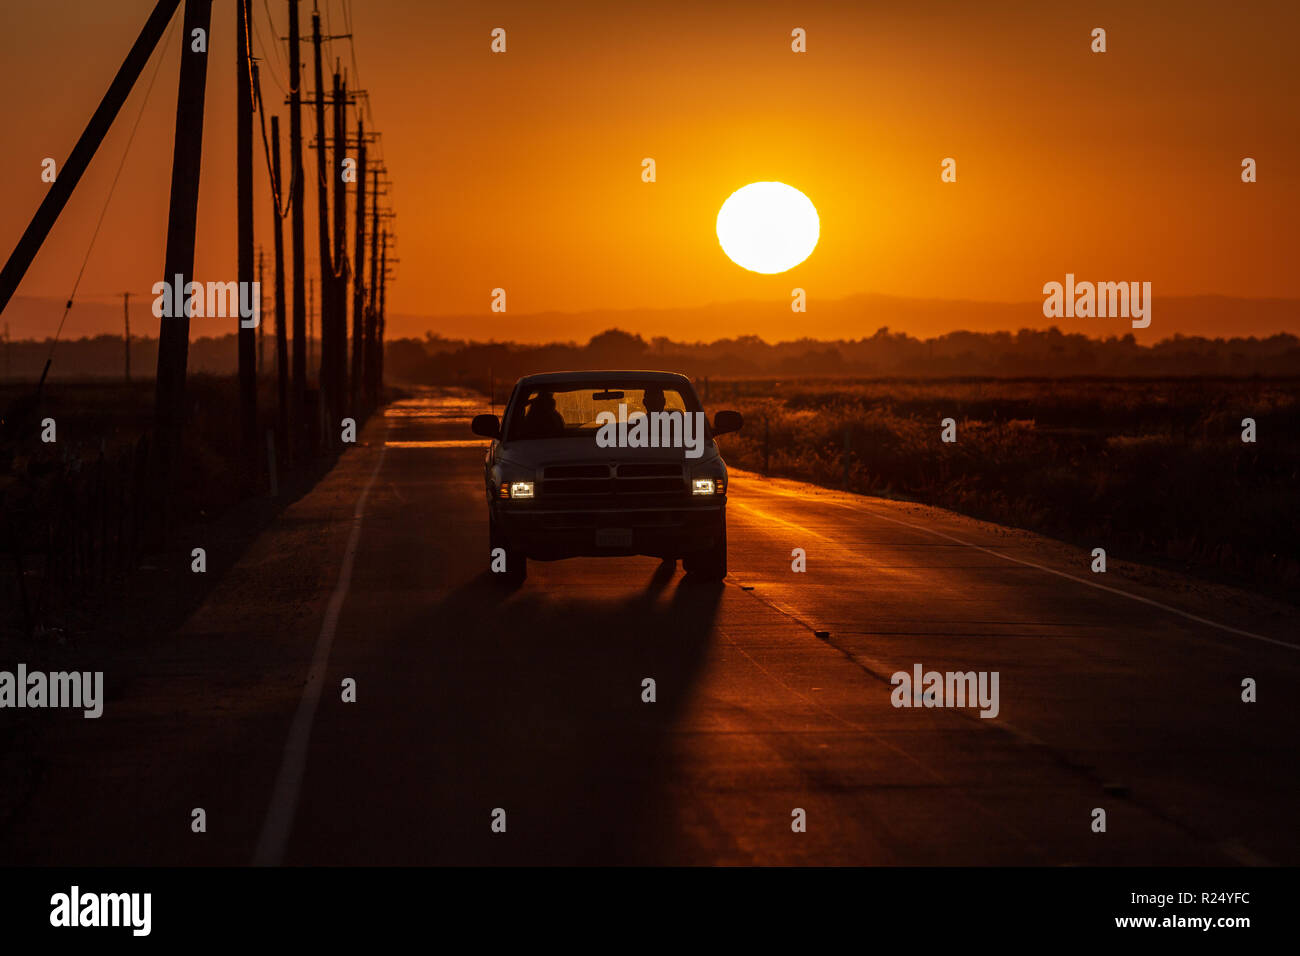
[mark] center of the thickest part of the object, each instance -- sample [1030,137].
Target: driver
[543,420]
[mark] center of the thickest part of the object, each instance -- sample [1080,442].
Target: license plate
[613,537]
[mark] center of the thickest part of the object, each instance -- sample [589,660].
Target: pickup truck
[606,463]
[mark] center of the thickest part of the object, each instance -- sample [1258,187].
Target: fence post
[101,503]
[767,435]
[270,463]
[848,448]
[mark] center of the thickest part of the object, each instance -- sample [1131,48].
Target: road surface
[1119,692]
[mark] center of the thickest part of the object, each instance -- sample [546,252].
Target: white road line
[1233,849]
[1061,574]
[1244,854]
[1092,584]
[288,783]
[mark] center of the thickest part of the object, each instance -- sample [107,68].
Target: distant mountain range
[860,316]
[854,317]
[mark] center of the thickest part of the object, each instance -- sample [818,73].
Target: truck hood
[540,452]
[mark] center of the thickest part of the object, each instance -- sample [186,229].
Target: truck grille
[600,483]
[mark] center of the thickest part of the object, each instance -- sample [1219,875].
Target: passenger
[653,399]
[543,420]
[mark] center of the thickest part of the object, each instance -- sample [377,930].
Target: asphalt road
[1119,691]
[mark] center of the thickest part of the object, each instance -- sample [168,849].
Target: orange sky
[522,170]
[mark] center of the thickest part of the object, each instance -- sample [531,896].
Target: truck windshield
[570,411]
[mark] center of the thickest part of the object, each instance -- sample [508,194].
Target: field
[79,513]
[1149,469]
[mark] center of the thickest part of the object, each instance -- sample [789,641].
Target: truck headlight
[521,489]
[702,486]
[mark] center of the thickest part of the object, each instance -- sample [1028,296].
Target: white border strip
[288,783]
[1070,577]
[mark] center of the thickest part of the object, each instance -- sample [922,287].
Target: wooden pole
[261,312]
[339,285]
[383,317]
[126,331]
[372,310]
[247,335]
[84,151]
[178,268]
[323,222]
[281,333]
[359,274]
[301,341]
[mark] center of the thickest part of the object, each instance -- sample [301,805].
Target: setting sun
[768,227]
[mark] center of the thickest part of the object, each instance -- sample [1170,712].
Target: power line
[356,71]
[112,187]
[352,53]
[255,91]
[276,192]
[329,33]
[264,58]
[275,36]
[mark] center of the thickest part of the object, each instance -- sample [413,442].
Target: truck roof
[603,376]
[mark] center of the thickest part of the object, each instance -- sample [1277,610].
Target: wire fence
[75,526]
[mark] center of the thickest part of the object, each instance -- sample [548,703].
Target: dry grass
[1150,469]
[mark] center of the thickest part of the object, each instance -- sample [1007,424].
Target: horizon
[923,319]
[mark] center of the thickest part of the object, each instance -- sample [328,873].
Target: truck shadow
[533,703]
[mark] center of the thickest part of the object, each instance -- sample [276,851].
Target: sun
[768,227]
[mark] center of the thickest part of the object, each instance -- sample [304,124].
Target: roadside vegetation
[1150,469]
[80,513]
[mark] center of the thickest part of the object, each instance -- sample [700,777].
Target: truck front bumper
[546,534]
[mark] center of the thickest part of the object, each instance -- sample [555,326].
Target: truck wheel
[516,562]
[710,565]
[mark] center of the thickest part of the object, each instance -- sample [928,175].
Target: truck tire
[710,565]
[516,562]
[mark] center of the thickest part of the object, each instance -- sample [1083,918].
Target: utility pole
[281,335]
[178,268]
[70,173]
[301,342]
[244,209]
[311,318]
[261,312]
[328,394]
[372,312]
[339,290]
[359,271]
[383,318]
[126,331]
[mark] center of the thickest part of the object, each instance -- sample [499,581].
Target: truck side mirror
[727,421]
[486,425]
